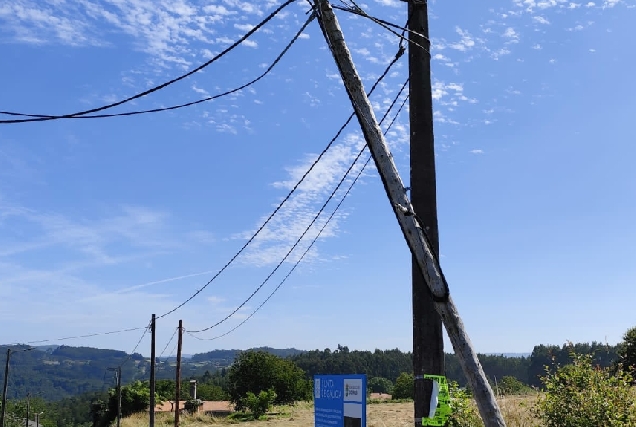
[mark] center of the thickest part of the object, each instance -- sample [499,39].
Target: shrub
[404,387]
[511,385]
[259,404]
[465,413]
[582,395]
[380,385]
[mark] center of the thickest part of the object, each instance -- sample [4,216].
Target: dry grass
[516,411]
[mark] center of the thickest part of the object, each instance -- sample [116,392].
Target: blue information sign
[340,400]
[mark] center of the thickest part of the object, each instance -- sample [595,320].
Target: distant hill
[56,372]
[225,356]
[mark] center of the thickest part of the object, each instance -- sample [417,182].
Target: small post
[406,217]
[178,379]
[118,379]
[153,327]
[118,396]
[26,420]
[4,388]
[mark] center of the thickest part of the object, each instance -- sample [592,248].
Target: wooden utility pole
[118,379]
[428,338]
[178,379]
[4,388]
[26,420]
[406,217]
[153,328]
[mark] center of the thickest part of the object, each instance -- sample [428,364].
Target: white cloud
[540,20]
[244,27]
[511,34]
[466,42]
[477,151]
[250,43]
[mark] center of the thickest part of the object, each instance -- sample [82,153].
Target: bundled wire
[38,118]
[187,104]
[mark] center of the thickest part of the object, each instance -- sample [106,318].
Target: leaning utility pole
[416,239]
[178,379]
[428,338]
[4,388]
[153,328]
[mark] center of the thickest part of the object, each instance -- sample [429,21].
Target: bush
[465,413]
[259,404]
[404,387]
[510,385]
[582,395]
[380,385]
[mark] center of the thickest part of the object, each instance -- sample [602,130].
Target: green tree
[404,387]
[627,352]
[256,371]
[210,392]
[380,385]
[583,395]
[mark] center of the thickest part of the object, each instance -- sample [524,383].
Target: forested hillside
[391,363]
[54,373]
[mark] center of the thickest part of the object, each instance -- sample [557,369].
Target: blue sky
[106,221]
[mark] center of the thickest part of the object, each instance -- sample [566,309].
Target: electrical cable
[188,104]
[156,88]
[333,193]
[325,224]
[386,25]
[82,336]
[398,55]
[171,338]
[130,355]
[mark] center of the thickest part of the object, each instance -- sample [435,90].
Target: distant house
[214,408]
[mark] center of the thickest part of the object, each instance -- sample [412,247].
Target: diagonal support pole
[416,239]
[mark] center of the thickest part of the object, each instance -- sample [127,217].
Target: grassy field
[516,410]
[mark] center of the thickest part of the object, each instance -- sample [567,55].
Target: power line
[156,88]
[357,10]
[355,180]
[130,355]
[81,336]
[187,104]
[398,55]
[322,208]
[168,343]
